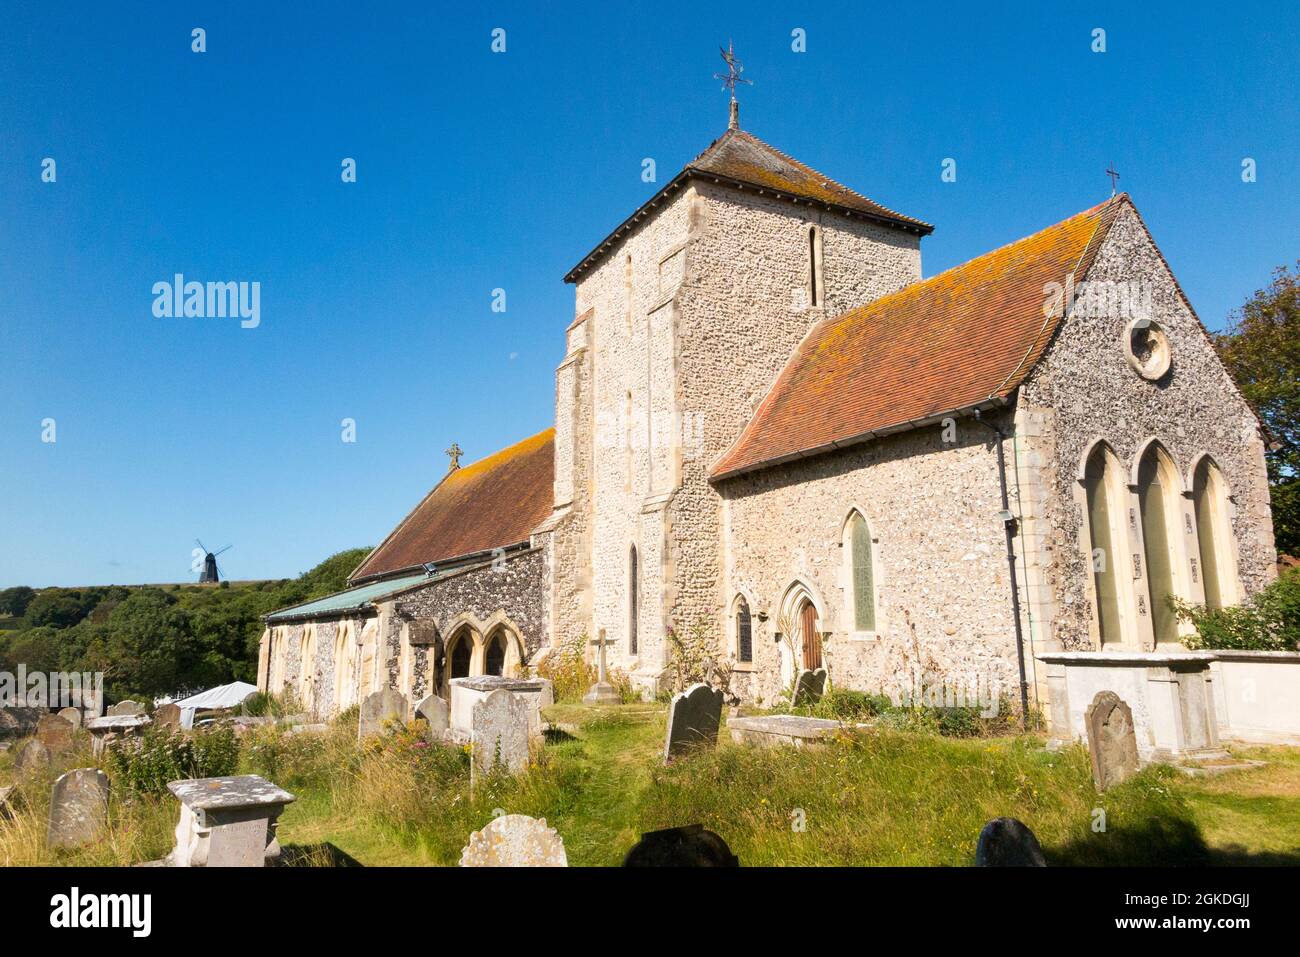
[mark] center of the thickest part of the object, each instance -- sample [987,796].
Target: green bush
[1267,621]
[849,705]
[146,764]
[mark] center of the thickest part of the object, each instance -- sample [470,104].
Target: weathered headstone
[809,687]
[72,716]
[515,840]
[34,756]
[7,801]
[105,730]
[78,808]
[123,709]
[379,707]
[690,846]
[227,822]
[499,732]
[434,710]
[602,692]
[19,722]
[1112,740]
[693,718]
[55,733]
[167,716]
[1005,842]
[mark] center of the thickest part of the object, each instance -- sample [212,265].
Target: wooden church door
[812,640]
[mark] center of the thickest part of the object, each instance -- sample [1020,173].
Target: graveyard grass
[886,797]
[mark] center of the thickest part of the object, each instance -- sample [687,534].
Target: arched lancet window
[627,291]
[1105,550]
[462,650]
[744,632]
[1210,501]
[495,662]
[814,278]
[633,601]
[862,574]
[1159,503]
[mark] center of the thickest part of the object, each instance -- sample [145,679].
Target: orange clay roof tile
[492,503]
[958,339]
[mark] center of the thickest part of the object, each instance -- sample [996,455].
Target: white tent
[226,696]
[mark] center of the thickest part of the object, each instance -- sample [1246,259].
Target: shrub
[849,705]
[146,764]
[567,669]
[693,659]
[1267,621]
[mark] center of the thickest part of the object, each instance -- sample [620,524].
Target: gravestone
[690,846]
[378,708]
[19,722]
[1005,842]
[435,711]
[125,709]
[227,822]
[105,730]
[72,716]
[467,692]
[78,808]
[167,716]
[7,801]
[1112,740]
[55,733]
[499,732]
[34,756]
[809,687]
[515,840]
[693,719]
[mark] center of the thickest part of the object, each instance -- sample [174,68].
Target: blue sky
[478,170]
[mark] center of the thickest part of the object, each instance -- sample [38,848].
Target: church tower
[685,314]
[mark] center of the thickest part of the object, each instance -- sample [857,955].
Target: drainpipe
[1009,528]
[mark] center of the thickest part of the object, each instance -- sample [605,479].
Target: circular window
[1147,348]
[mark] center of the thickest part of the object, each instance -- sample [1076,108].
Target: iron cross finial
[731,78]
[455,454]
[1114,175]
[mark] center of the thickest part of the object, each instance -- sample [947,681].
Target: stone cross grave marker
[499,733]
[515,840]
[809,687]
[386,705]
[436,711]
[1005,842]
[227,822]
[693,719]
[78,808]
[55,733]
[1112,740]
[602,692]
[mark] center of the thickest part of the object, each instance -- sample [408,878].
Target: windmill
[210,572]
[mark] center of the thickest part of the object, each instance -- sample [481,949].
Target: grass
[884,797]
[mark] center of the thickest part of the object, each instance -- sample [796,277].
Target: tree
[1261,349]
[14,601]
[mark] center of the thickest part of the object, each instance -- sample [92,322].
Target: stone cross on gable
[1114,175]
[455,453]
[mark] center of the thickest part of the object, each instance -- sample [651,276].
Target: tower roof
[742,160]
[963,339]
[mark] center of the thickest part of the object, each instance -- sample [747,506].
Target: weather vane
[1114,175]
[731,78]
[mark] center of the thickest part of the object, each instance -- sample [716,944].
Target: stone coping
[118,722]
[493,682]
[246,790]
[1236,654]
[1138,658]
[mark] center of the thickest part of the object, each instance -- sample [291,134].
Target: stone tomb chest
[467,692]
[227,822]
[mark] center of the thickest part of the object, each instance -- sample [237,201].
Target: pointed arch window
[634,601]
[862,574]
[814,267]
[495,661]
[461,652]
[1210,502]
[1158,502]
[1105,551]
[744,632]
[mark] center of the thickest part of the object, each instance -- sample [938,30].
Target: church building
[776,440]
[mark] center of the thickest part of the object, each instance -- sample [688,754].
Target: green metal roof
[350,600]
